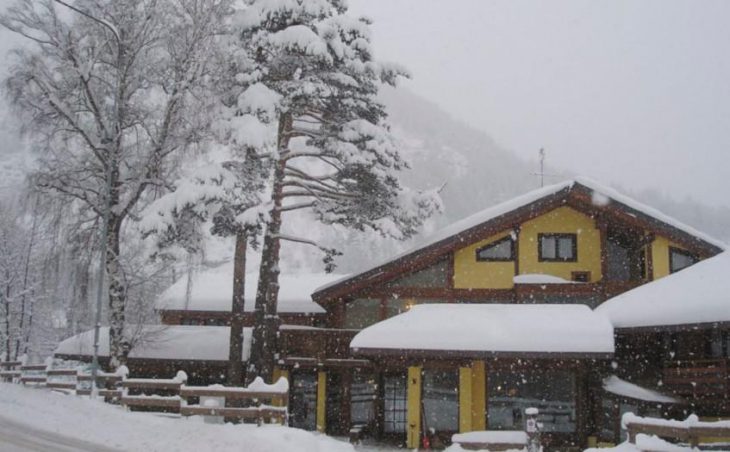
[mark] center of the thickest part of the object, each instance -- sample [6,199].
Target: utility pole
[541,173]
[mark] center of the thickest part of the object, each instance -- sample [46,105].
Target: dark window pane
[433,276]
[441,399]
[497,251]
[362,312]
[547,245]
[565,248]
[511,392]
[394,403]
[680,259]
[303,405]
[363,392]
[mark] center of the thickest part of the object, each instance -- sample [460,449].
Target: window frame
[507,238]
[673,250]
[557,236]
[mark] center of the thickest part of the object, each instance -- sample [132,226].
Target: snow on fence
[689,431]
[252,396]
[10,371]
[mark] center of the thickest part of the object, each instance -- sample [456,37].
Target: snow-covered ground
[97,423]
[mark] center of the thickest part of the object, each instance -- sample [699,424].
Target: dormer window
[502,250]
[557,247]
[680,259]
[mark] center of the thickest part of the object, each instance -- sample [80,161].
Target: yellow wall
[472,397]
[465,400]
[561,220]
[660,256]
[470,274]
[413,416]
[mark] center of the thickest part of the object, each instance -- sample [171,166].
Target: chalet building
[675,334]
[496,313]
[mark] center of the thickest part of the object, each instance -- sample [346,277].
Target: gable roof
[695,295]
[583,192]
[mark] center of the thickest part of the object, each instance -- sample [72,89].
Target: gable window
[557,247]
[679,259]
[500,251]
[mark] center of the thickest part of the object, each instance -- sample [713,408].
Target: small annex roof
[212,290]
[178,342]
[478,330]
[501,216]
[695,295]
[623,388]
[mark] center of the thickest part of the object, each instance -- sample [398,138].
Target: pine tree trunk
[264,344]
[118,344]
[235,350]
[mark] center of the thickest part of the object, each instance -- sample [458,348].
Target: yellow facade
[413,429]
[465,400]
[471,274]
[660,256]
[472,397]
[279,373]
[561,220]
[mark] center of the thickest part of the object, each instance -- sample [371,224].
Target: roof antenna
[542,173]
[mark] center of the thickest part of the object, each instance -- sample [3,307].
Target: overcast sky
[628,92]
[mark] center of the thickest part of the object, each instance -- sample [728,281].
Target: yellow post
[321,401]
[413,432]
[465,399]
[478,396]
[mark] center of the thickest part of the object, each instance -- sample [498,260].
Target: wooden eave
[421,354]
[676,328]
[576,196]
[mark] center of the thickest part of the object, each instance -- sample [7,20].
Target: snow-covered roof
[491,328]
[601,196]
[616,385]
[212,290]
[697,294]
[178,342]
[540,278]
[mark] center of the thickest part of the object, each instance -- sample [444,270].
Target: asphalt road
[15,437]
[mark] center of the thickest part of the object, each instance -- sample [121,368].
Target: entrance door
[303,400]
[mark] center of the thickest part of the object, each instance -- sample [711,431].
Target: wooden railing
[687,431]
[153,394]
[697,378]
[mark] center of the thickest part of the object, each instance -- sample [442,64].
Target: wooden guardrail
[688,431]
[153,394]
[10,371]
[252,397]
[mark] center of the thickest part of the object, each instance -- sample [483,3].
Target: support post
[279,373]
[321,401]
[465,400]
[478,396]
[413,432]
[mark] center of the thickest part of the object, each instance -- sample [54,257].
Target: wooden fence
[259,402]
[688,431]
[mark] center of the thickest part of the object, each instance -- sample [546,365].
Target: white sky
[628,92]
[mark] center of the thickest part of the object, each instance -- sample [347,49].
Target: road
[16,437]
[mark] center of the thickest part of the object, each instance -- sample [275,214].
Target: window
[395,403]
[362,312]
[512,391]
[581,276]
[557,247]
[500,251]
[441,399]
[679,259]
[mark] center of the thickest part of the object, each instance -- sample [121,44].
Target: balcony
[697,379]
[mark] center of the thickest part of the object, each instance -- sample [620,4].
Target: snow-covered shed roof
[489,329]
[697,294]
[502,215]
[212,290]
[178,342]
[623,388]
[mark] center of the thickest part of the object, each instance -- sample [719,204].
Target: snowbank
[644,443]
[111,426]
[182,342]
[491,328]
[212,290]
[615,385]
[697,294]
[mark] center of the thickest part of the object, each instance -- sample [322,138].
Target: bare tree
[110,91]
